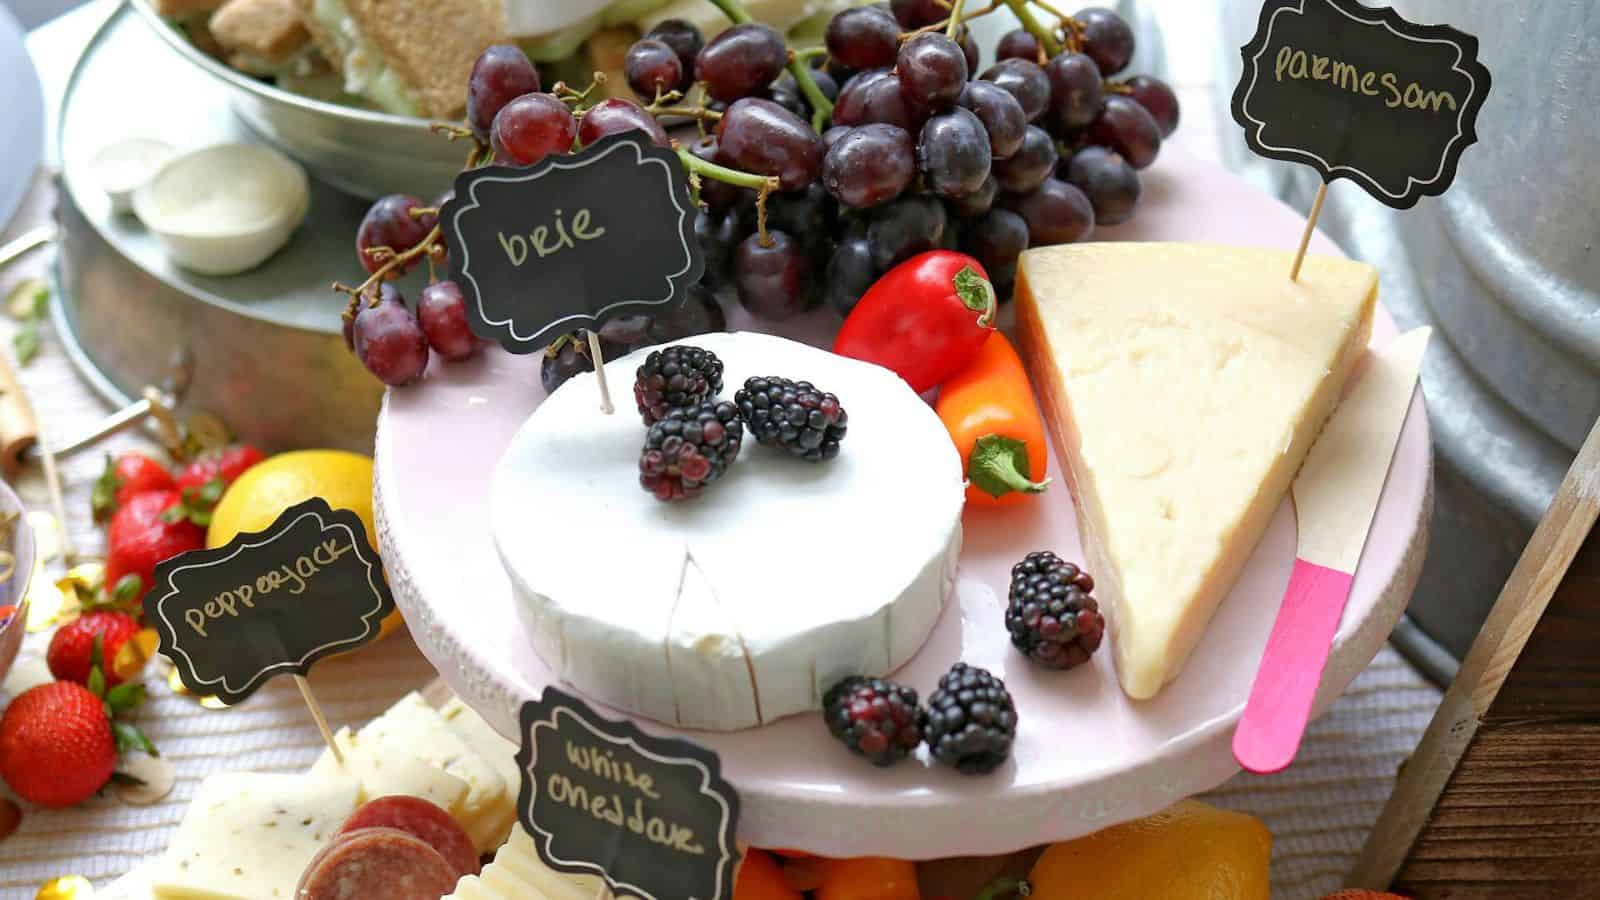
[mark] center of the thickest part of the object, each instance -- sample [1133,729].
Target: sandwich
[414,57]
[403,57]
[264,37]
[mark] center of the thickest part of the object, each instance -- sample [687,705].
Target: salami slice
[415,816]
[377,862]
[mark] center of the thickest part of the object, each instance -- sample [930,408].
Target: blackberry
[679,377]
[689,449]
[1051,615]
[971,722]
[874,717]
[793,416]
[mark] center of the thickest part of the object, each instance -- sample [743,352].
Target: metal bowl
[365,153]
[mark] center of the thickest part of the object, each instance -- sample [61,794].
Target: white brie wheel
[745,604]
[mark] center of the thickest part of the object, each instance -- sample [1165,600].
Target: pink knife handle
[1275,718]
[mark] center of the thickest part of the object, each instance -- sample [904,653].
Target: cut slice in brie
[1184,384]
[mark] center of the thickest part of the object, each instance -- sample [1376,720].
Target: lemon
[265,490]
[1191,851]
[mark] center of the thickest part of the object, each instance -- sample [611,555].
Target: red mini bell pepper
[924,319]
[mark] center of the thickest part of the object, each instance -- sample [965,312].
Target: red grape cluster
[815,179]
[923,150]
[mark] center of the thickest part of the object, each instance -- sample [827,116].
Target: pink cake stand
[1086,756]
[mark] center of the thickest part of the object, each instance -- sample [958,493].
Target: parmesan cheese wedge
[1183,384]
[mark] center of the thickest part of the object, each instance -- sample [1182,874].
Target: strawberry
[125,476]
[143,533]
[71,652]
[203,480]
[226,464]
[59,744]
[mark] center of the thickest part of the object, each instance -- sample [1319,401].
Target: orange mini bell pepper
[760,878]
[869,878]
[991,414]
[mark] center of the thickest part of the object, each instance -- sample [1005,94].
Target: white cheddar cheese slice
[388,772]
[495,749]
[680,611]
[1184,384]
[517,873]
[249,836]
[414,728]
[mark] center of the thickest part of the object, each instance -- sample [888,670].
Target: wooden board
[1502,798]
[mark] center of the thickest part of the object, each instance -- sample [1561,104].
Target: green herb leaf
[97,682]
[26,342]
[29,299]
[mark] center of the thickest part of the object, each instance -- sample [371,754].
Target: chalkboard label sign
[269,603]
[1360,93]
[651,816]
[572,241]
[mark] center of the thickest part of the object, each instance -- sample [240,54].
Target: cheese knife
[1335,496]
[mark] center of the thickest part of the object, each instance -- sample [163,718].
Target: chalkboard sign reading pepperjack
[651,816]
[269,603]
[572,241]
[1360,93]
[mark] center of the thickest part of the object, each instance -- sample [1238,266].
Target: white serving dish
[122,167]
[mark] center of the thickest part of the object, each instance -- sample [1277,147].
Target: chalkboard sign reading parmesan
[1360,93]
[651,816]
[572,240]
[269,603]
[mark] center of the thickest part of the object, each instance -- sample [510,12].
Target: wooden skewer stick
[1523,601]
[599,358]
[1305,237]
[316,713]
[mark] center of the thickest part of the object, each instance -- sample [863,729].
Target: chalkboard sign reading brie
[1360,93]
[572,240]
[651,816]
[269,603]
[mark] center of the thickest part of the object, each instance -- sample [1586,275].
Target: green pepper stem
[736,13]
[1032,24]
[999,465]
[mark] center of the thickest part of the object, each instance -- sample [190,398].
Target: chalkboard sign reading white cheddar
[269,603]
[651,816]
[572,240]
[1360,93]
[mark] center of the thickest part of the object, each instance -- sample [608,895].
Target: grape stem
[449,131]
[955,20]
[823,107]
[392,261]
[944,23]
[707,169]
[1047,40]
